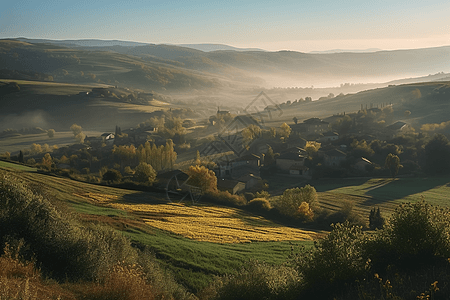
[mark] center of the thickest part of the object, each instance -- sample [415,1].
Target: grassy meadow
[199,242]
[16,143]
[193,259]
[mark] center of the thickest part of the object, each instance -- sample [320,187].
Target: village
[243,153]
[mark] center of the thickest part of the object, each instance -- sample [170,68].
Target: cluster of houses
[242,173]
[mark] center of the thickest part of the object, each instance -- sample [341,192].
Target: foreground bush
[88,258]
[224,198]
[256,281]
[336,260]
[62,248]
[407,259]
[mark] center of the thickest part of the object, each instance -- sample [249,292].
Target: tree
[392,163]
[145,173]
[112,176]
[270,157]
[78,133]
[290,204]
[197,160]
[51,133]
[47,161]
[251,132]
[36,148]
[21,156]
[202,177]
[361,149]
[7,155]
[376,221]
[284,130]
[312,147]
[437,155]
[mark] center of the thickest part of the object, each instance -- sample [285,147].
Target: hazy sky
[292,25]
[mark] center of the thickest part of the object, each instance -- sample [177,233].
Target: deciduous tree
[392,163]
[202,177]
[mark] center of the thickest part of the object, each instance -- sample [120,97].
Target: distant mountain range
[217,47]
[347,50]
[204,66]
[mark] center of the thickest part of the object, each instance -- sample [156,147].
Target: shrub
[224,198]
[376,221]
[335,260]
[254,281]
[202,177]
[145,173]
[259,205]
[416,235]
[289,203]
[60,246]
[112,176]
[262,194]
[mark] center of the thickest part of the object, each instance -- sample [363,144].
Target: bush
[259,205]
[61,247]
[254,281]
[145,173]
[416,235]
[112,176]
[335,261]
[224,198]
[376,221]
[292,199]
[65,250]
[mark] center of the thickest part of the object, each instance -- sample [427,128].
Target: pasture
[218,243]
[16,143]
[386,193]
[198,242]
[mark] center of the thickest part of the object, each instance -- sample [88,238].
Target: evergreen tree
[376,221]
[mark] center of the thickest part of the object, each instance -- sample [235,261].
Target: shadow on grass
[326,185]
[144,198]
[403,187]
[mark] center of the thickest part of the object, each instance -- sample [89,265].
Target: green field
[194,263]
[23,142]
[386,193]
[9,165]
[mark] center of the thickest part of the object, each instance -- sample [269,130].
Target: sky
[300,25]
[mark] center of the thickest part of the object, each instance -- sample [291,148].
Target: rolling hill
[173,67]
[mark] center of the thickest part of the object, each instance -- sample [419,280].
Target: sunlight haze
[292,25]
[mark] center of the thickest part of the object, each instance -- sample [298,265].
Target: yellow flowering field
[97,198]
[214,224]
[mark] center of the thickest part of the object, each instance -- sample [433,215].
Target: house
[222,112]
[232,186]
[108,138]
[249,159]
[285,161]
[362,164]
[297,150]
[299,170]
[328,136]
[240,166]
[310,126]
[334,157]
[396,128]
[296,142]
[252,182]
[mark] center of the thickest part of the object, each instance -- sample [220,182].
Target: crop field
[215,224]
[197,242]
[5,164]
[16,143]
[193,260]
[385,193]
